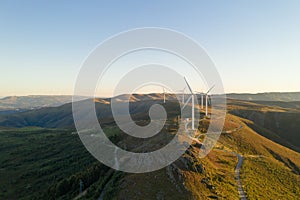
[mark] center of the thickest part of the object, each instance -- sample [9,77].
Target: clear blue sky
[255,44]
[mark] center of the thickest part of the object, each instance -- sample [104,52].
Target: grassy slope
[266,163]
[218,174]
[265,178]
[270,170]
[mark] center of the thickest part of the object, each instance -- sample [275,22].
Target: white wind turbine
[182,92]
[202,100]
[193,104]
[206,100]
[202,95]
[164,95]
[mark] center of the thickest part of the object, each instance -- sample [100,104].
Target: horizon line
[230,93]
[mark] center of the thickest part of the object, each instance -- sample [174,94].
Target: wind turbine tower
[202,94]
[202,100]
[164,95]
[182,93]
[206,100]
[193,105]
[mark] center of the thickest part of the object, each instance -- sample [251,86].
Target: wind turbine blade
[210,89]
[188,85]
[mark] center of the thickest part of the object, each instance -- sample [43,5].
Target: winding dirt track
[237,174]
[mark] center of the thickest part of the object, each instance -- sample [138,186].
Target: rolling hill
[61,116]
[280,124]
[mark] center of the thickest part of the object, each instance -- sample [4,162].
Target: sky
[254,44]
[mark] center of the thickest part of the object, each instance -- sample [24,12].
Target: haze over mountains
[268,96]
[34,101]
[38,101]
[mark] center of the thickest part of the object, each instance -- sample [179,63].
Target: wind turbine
[202,94]
[182,94]
[193,105]
[202,101]
[164,95]
[206,100]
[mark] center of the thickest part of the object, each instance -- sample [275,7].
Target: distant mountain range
[38,101]
[34,101]
[270,96]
